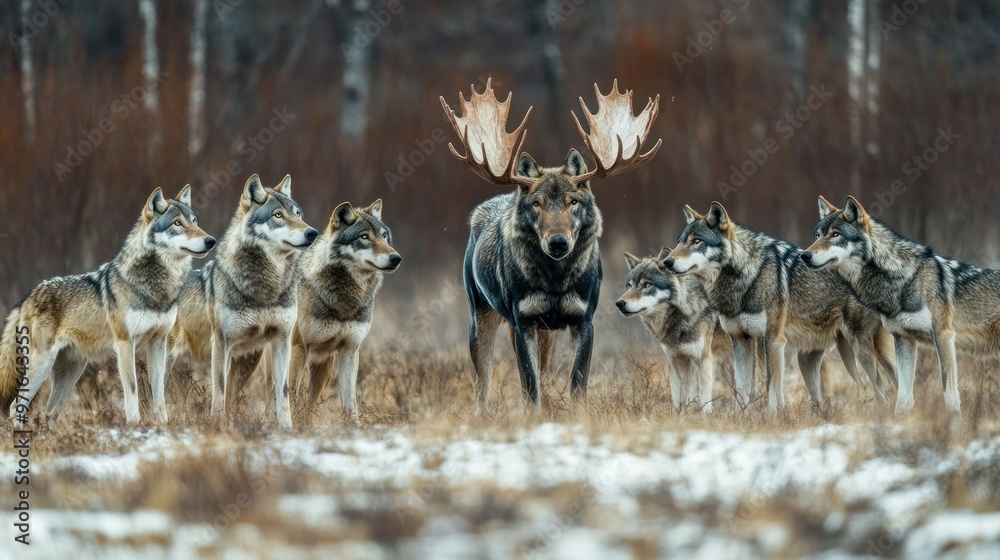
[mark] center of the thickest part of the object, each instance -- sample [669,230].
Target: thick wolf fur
[341,275]
[121,308]
[919,296]
[247,298]
[764,294]
[677,311]
[533,261]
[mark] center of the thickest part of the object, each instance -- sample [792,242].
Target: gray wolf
[677,311]
[765,295]
[122,308]
[533,259]
[920,297]
[247,297]
[341,275]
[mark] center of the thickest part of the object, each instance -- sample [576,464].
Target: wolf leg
[744,360]
[583,335]
[906,365]
[674,380]
[545,346]
[348,381]
[774,352]
[866,357]
[157,364]
[66,371]
[809,363]
[526,349]
[280,356]
[706,381]
[320,371]
[125,349]
[944,339]
[220,378]
[482,339]
[38,372]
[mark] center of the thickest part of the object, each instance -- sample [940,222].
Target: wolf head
[172,225]
[555,208]
[358,237]
[842,236]
[270,217]
[705,245]
[648,286]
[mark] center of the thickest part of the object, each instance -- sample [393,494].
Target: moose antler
[491,152]
[616,136]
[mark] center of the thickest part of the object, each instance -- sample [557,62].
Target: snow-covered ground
[831,492]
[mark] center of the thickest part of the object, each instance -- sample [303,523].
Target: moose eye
[177,223]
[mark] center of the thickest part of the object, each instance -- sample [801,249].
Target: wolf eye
[644,285]
[365,236]
[536,204]
[628,285]
[574,202]
[177,223]
[834,234]
[696,241]
[385,236]
[278,214]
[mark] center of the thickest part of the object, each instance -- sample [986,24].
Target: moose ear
[664,253]
[690,215]
[855,213]
[184,197]
[575,164]
[526,167]
[718,218]
[156,204]
[343,216]
[375,209]
[253,191]
[285,186]
[631,260]
[826,208]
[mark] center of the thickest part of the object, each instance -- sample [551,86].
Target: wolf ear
[575,164]
[664,253]
[631,260]
[285,186]
[690,215]
[253,191]
[826,208]
[375,209]
[717,217]
[156,203]
[854,212]
[343,216]
[184,197]
[526,166]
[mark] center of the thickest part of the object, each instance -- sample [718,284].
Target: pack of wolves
[296,303]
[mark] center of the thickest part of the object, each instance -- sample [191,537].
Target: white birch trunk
[196,97]
[27,77]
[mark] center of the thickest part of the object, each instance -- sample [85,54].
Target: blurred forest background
[104,100]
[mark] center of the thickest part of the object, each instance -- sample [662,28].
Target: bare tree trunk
[554,71]
[150,70]
[196,99]
[27,78]
[863,63]
[354,112]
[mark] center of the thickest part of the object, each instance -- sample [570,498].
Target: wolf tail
[885,353]
[8,361]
